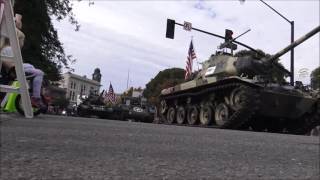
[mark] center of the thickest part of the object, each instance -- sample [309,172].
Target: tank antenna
[241,35]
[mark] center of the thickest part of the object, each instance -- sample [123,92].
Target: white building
[77,85]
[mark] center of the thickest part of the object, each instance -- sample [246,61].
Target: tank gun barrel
[294,44]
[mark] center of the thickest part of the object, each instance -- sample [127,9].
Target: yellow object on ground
[10,106]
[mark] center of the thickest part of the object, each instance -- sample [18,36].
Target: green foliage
[276,74]
[315,78]
[130,91]
[42,46]
[163,79]
[253,54]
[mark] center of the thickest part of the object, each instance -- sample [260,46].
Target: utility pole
[292,40]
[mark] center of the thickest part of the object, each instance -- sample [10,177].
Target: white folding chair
[8,29]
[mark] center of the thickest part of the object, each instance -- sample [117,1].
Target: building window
[82,89]
[70,94]
[73,85]
[73,96]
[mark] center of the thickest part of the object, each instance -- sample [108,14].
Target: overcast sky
[118,36]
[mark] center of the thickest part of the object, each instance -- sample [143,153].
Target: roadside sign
[187,26]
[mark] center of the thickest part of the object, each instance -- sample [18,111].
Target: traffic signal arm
[170,33]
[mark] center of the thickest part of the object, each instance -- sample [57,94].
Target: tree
[315,78]
[42,46]
[129,92]
[276,74]
[164,79]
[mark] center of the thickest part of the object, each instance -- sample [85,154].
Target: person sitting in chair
[8,69]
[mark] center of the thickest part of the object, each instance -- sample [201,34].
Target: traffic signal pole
[292,54]
[292,40]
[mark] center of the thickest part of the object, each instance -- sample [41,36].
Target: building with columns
[76,85]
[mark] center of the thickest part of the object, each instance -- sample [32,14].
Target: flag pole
[128,79]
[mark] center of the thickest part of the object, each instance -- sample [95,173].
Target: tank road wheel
[221,114]
[162,111]
[193,115]
[163,107]
[181,115]
[171,115]
[205,115]
[237,97]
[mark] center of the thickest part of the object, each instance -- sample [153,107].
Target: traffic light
[228,35]
[170,28]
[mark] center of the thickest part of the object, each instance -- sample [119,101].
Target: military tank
[238,92]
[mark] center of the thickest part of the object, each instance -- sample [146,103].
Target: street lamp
[292,39]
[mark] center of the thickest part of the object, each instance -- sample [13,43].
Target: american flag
[191,56]
[110,96]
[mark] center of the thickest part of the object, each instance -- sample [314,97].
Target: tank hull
[221,102]
[281,105]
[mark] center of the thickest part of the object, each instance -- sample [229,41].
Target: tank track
[307,122]
[250,107]
[238,118]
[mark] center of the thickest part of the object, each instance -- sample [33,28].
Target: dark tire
[206,115]
[171,115]
[81,112]
[122,117]
[18,104]
[181,115]
[193,115]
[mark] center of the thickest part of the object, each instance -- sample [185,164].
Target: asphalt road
[56,147]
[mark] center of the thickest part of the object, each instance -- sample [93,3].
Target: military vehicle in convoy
[94,105]
[131,108]
[138,109]
[238,92]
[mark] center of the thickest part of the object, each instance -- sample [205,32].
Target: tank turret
[226,64]
[247,65]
